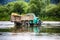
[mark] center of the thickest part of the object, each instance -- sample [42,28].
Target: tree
[4,13]
[39,5]
[32,9]
[19,7]
[53,11]
[6,10]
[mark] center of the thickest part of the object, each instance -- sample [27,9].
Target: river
[29,36]
[8,24]
[25,35]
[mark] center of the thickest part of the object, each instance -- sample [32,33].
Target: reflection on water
[35,29]
[29,36]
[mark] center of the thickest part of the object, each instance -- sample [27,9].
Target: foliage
[41,8]
[6,10]
[32,9]
[37,6]
[4,13]
[19,7]
[53,11]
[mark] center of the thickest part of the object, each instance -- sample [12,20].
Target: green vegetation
[43,9]
[17,7]
[37,7]
[52,12]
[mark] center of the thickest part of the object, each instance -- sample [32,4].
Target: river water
[8,24]
[26,35]
[29,36]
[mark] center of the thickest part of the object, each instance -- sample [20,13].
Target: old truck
[29,18]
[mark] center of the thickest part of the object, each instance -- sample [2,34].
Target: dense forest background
[46,10]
